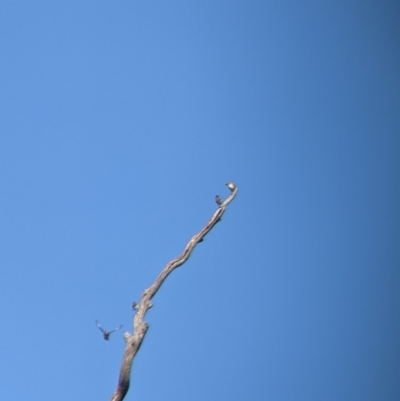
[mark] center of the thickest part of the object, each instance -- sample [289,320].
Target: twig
[134,342]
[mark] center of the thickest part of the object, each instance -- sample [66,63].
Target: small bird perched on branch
[218,200]
[135,305]
[106,334]
[231,186]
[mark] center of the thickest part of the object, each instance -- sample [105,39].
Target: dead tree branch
[134,342]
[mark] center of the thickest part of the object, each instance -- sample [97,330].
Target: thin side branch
[134,342]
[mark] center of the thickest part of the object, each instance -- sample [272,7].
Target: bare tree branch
[133,342]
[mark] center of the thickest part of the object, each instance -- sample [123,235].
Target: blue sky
[120,122]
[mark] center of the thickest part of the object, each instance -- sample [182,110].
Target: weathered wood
[134,342]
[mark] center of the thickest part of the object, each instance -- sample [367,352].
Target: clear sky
[119,123]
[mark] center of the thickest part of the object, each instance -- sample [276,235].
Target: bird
[231,186]
[135,305]
[218,200]
[106,334]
